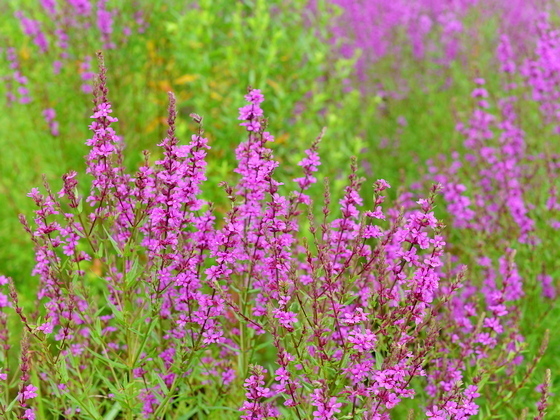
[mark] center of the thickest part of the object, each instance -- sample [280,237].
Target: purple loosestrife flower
[29,414]
[17,82]
[104,162]
[4,302]
[372,27]
[286,384]
[86,75]
[105,24]
[170,194]
[506,56]
[286,319]
[262,228]
[82,7]
[542,72]
[362,341]
[50,115]
[549,291]
[310,165]
[327,406]
[253,407]
[62,43]
[341,243]
[153,281]
[33,29]
[502,212]
[499,184]
[59,30]
[28,393]
[48,262]
[49,6]
[150,402]
[544,402]
[180,173]
[437,32]
[478,343]
[256,164]
[460,406]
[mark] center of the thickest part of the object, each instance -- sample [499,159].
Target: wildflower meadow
[261,209]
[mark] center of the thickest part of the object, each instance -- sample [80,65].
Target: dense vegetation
[292,209]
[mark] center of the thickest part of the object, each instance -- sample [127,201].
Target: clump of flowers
[151,302]
[426,32]
[493,193]
[58,32]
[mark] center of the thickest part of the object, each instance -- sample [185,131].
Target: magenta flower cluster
[153,301]
[425,31]
[494,187]
[59,31]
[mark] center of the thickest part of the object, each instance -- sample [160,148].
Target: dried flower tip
[196,118]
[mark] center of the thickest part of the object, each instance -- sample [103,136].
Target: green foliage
[208,54]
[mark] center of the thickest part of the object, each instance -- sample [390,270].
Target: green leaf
[133,274]
[113,242]
[80,203]
[86,407]
[115,410]
[110,385]
[108,361]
